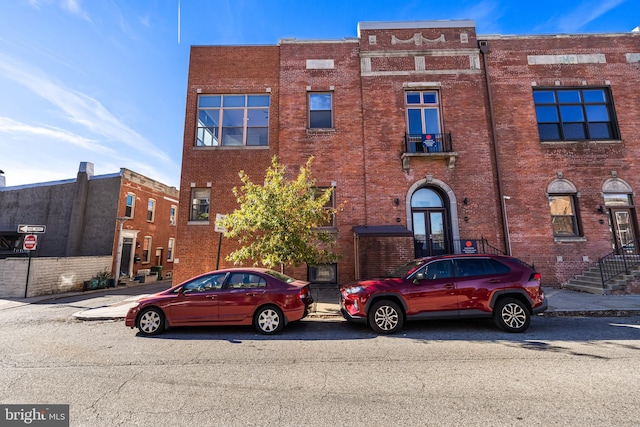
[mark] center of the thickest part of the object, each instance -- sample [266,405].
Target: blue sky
[104,81]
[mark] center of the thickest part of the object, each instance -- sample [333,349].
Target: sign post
[30,243]
[219,229]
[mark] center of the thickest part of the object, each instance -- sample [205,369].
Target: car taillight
[303,294]
[534,277]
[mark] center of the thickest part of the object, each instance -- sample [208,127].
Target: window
[206,283]
[329,206]
[170,246]
[423,121]
[233,120]
[146,249]
[468,267]
[200,204]
[129,205]
[438,270]
[320,111]
[246,281]
[423,112]
[575,114]
[172,215]
[151,210]
[563,215]
[325,273]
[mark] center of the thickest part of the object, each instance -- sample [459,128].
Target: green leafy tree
[278,222]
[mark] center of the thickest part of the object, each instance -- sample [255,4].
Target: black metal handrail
[428,143]
[620,261]
[482,246]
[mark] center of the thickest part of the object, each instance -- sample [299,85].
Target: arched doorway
[430,220]
[618,199]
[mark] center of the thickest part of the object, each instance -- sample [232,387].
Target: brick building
[438,140]
[83,217]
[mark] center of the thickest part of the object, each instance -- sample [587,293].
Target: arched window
[562,196]
[426,198]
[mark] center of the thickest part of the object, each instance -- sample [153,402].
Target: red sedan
[264,298]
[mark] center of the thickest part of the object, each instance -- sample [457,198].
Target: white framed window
[151,210]
[170,247]
[146,250]
[172,215]
[130,204]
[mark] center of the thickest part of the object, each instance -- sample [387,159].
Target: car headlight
[354,290]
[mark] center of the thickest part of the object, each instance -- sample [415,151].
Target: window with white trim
[146,249]
[130,205]
[151,210]
[172,215]
[170,246]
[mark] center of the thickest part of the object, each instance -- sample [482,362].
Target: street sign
[30,242]
[218,228]
[29,229]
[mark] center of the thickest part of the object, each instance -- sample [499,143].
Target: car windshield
[280,276]
[404,270]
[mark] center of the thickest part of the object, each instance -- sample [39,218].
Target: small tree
[277,223]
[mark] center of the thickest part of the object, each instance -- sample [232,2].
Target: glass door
[429,233]
[623,230]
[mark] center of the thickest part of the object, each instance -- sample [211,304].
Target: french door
[429,232]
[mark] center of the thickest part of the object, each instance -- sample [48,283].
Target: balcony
[428,145]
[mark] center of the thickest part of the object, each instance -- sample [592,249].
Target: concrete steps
[591,280]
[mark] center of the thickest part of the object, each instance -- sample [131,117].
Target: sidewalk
[562,302]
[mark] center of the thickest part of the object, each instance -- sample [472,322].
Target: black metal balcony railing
[428,143]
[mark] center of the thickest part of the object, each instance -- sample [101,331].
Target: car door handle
[212,296]
[449,286]
[494,281]
[251,294]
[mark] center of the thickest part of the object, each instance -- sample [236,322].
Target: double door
[429,232]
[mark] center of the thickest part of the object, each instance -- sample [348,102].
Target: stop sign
[30,242]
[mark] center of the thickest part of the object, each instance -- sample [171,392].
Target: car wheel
[511,315]
[385,317]
[151,321]
[269,320]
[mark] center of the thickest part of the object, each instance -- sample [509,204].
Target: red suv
[447,287]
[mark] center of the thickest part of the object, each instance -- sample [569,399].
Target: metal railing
[482,246]
[620,261]
[428,143]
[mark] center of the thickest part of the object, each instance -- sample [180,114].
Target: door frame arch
[452,208]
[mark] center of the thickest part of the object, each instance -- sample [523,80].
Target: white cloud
[23,130]
[78,108]
[583,14]
[73,7]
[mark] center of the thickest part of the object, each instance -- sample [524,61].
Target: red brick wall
[529,166]
[221,70]
[378,256]
[362,154]
[160,229]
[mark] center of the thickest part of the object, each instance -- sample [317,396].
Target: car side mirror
[418,277]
